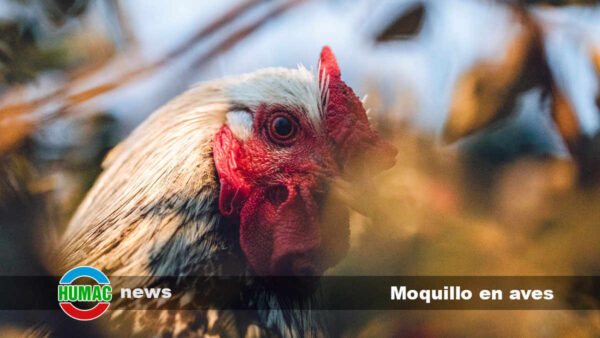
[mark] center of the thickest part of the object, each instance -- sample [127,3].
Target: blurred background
[493,105]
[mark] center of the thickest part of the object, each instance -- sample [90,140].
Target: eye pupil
[283,127]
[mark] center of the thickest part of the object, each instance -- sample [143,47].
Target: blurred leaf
[565,118]
[406,26]
[58,11]
[21,59]
[489,90]
[596,61]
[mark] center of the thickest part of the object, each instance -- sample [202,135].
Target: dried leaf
[488,92]
[406,26]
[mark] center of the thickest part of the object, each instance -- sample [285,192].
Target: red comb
[346,119]
[328,64]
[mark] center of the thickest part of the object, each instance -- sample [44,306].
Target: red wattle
[281,239]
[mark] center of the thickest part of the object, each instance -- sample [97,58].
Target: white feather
[240,122]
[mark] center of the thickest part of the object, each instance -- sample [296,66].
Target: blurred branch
[234,38]
[79,75]
[558,2]
[17,121]
[122,24]
[550,2]
[231,15]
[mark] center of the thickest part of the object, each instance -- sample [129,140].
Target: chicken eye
[282,128]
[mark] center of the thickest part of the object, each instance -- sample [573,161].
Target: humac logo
[100,293]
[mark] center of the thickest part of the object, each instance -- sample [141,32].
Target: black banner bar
[323,293]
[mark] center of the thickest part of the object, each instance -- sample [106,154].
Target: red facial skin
[276,189]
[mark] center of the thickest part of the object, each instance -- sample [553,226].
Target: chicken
[231,178]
